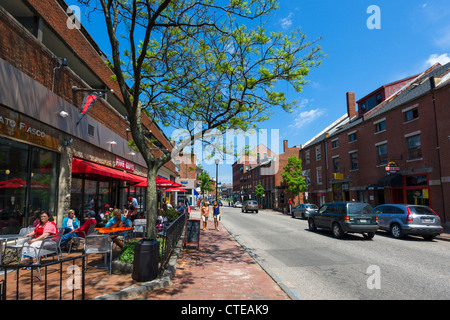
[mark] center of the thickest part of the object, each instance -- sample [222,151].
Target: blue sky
[413,35]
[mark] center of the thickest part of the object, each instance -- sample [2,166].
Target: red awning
[83,166]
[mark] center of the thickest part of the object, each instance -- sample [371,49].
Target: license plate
[428,220]
[362,220]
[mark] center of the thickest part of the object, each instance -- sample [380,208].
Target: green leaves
[292,175]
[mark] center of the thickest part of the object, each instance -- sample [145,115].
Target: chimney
[351,106]
[285,145]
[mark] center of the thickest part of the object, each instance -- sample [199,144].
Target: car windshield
[360,208]
[311,206]
[421,211]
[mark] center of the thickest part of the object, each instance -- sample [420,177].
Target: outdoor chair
[99,243]
[140,227]
[77,239]
[49,246]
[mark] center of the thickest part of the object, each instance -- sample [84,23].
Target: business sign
[392,167]
[122,164]
[15,125]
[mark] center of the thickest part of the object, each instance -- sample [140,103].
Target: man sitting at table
[117,221]
[81,231]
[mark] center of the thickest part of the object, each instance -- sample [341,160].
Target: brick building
[394,152]
[45,70]
[265,169]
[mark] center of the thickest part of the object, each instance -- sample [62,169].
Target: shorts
[216,216]
[204,218]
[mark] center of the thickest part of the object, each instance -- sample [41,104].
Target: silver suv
[250,205]
[403,219]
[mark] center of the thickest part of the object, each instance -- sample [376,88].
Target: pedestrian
[70,222]
[188,210]
[216,215]
[205,214]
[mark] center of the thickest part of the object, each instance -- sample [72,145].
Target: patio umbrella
[175,190]
[18,183]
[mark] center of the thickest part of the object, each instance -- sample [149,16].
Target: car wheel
[292,215]
[369,235]
[312,225]
[396,231]
[337,231]
[256,211]
[303,215]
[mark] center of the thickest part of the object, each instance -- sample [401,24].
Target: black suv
[345,217]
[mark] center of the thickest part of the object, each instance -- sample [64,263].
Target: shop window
[28,184]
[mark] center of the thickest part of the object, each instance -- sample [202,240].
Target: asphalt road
[318,266]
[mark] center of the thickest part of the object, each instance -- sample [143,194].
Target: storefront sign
[18,126]
[338,176]
[122,164]
[392,167]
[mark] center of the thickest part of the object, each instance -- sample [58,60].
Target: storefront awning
[83,166]
[391,180]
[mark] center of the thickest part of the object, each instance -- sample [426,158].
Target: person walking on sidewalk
[216,215]
[205,214]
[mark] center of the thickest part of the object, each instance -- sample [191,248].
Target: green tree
[186,62]
[259,191]
[292,175]
[205,183]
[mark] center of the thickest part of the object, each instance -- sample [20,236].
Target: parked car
[238,204]
[303,210]
[403,219]
[345,217]
[250,205]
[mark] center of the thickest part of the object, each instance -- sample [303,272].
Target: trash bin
[146,257]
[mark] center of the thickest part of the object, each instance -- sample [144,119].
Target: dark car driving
[345,217]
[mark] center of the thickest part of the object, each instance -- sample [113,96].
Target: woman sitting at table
[45,228]
[82,231]
[117,221]
[70,222]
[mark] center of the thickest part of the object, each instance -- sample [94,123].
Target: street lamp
[217,178]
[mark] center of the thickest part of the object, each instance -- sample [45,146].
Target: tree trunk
[152,203]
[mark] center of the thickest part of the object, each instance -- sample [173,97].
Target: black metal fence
[170,237]
[57,280]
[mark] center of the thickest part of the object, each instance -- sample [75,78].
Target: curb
[142,288]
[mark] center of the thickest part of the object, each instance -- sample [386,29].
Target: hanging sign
[392,167]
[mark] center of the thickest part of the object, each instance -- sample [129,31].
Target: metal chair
[140,226]
[99,243]
[49,246]
[90,231]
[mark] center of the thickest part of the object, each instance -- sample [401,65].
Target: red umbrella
[160,182]
[175,190]
[18,183]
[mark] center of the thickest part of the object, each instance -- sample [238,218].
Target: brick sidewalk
[220,270]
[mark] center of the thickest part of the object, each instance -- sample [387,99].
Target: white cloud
[442,59]
[305,117]
[287,22]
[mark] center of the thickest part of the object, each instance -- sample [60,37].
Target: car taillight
[409,215]
[306,209]
[347,218]
[376,218]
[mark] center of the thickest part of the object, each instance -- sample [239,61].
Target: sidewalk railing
[67,281]
[170,237]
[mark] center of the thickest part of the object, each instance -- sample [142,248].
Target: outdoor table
[112,232]
[5,238]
